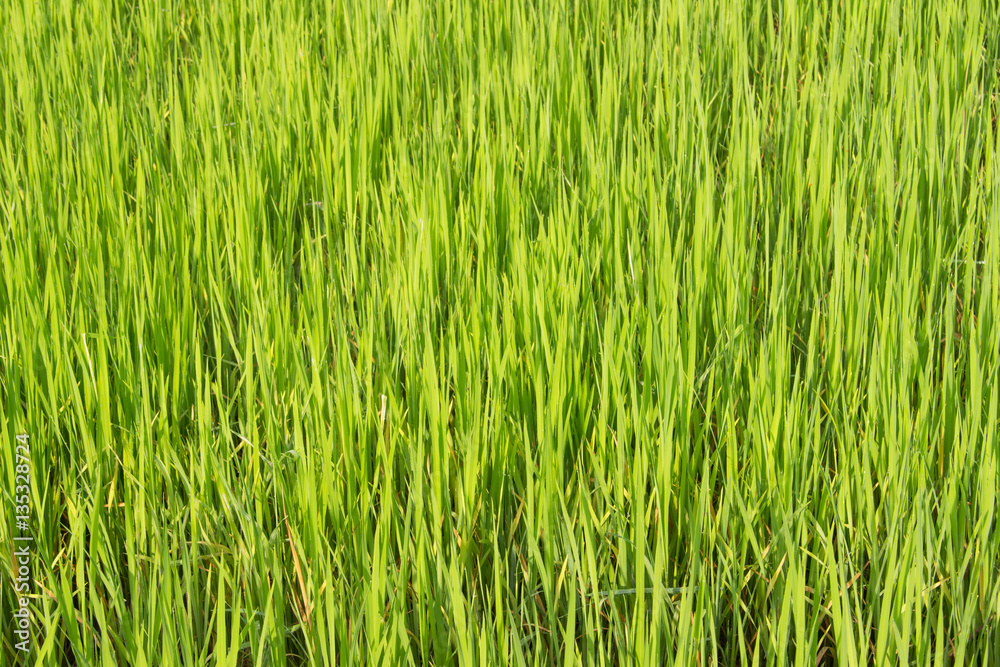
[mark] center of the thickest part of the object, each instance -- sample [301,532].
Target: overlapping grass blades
[504,333]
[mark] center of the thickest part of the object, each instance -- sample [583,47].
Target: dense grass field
[516,333]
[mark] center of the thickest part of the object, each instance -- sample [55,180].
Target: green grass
[503,333]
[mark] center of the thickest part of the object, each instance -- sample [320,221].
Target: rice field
[555,332]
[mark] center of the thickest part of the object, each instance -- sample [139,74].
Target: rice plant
[523,333]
